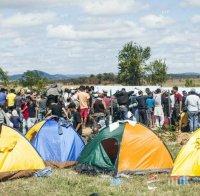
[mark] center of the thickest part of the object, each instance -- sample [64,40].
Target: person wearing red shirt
[177,110]
[25,115]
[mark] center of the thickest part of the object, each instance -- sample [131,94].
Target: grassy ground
[68,182]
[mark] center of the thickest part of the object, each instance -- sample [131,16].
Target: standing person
[83,98]
[56,109]
[99,105]
[75,118]
[25,115]
[4,118]
[142,108]
[106,100]
[2,97]
[42,102]
[123,101]
[11,100]
[133,106]
[74,97]
[184,119]
[18,102]
[158,110]
[66,96]
[192,103]
[32,112]
[150,109]
[184,108]
[167,107]
[177,106]
[15,119]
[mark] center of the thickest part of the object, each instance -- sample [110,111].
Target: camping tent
[56,141]
[187,162]
[125,147]
[17,156]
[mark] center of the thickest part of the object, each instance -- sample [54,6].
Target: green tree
[157,72]
[131,63]
[33,79]
[4,77]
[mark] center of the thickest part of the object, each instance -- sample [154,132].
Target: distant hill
[49,76]
[185,75]
[75,76]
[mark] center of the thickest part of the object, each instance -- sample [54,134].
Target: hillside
[49,76]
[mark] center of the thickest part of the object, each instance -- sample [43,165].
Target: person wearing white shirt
[192,103]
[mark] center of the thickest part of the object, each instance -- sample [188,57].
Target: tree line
[134,68]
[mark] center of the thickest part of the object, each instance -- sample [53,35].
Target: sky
[85,36]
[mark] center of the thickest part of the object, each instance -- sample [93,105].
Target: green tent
[95,154]
[125,147]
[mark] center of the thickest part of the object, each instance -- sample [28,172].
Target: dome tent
[17,156]
[56,141]
[124,147]
[187,162]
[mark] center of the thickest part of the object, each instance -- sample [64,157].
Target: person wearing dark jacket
[142,108]
[123,101]
[15,119]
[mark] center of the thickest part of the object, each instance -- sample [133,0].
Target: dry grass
[68,182]
[181,82]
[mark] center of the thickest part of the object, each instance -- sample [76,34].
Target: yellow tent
[17,156]
[34,130]
[187,162]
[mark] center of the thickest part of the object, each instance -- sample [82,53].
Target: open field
[68,182]
[181,82]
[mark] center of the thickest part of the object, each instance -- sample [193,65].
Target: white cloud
[112,7]
[195,19]
[21,4]
[155,21]
[6,34]
[94,7]
[109,30]
[6,55]
[19,42]
[173,39]
[26,20]
[191,3]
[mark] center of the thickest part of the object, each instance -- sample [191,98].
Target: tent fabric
[58,145]
[94,153]
[33,130]
[140,150]
[187,162]
[17,156]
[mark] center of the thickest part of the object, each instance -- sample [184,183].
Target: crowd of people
[84,107]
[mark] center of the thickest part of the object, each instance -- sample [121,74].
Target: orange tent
[127,147]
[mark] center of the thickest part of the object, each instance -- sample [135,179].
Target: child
[15,120]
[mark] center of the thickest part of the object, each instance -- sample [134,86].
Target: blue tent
[57,142]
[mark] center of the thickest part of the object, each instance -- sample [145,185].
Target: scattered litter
[72,173]
[94,194]
[123,175]
[183,180]
[116,182]
[151,187]
[44,172]
[151,180]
